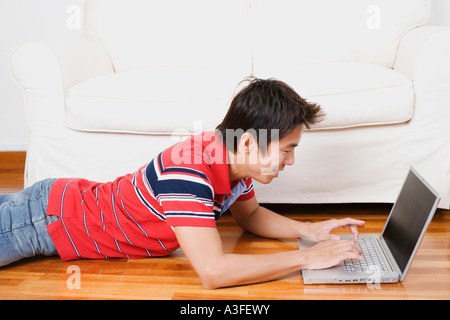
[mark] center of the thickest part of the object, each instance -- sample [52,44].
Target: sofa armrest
[424,56]
[45,73]
[77,61]
[423,52]
[82,60]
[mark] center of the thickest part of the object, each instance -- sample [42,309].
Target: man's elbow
[211,279]
[209,285]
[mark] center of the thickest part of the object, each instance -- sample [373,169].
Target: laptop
[387,257]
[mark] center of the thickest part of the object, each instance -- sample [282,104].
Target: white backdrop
[53,21]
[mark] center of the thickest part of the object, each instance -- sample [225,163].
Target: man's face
[279,154]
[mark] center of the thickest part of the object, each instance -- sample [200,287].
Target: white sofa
[151,72]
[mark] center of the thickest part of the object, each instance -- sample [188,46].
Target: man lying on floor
[175,200]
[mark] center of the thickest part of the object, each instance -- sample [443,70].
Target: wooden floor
[173,277]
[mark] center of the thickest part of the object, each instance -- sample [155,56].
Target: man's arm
[203,247]
[266,223]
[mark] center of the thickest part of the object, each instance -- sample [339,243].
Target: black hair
[261,107]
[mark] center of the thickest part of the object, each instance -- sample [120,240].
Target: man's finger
[354,221]
[354,230]
[347,222]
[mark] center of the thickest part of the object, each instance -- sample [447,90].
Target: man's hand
[320,231]
[329,253]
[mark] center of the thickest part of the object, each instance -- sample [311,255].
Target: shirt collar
[219,166]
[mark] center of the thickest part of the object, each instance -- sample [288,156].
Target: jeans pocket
[32,193]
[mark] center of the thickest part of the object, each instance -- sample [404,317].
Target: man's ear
[247,143]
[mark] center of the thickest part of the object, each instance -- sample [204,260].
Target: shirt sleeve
[186,201]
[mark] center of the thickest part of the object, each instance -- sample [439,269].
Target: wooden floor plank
[12,166]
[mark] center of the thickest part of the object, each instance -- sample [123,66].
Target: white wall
[51,21]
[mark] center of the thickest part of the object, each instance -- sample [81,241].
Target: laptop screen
[409,218]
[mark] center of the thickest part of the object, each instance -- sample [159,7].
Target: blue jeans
[23,223]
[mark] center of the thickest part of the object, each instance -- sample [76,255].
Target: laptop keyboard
[372,258]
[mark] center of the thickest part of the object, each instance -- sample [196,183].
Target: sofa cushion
[158,100]
[184,100]
[352,94]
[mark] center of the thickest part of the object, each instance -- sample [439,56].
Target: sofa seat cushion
[352,94]
[188,100]
[155,100]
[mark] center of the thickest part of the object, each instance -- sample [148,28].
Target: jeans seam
[22,226]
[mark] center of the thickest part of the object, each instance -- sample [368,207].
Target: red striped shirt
[133,216]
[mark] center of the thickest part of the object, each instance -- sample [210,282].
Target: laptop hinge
[390,258]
